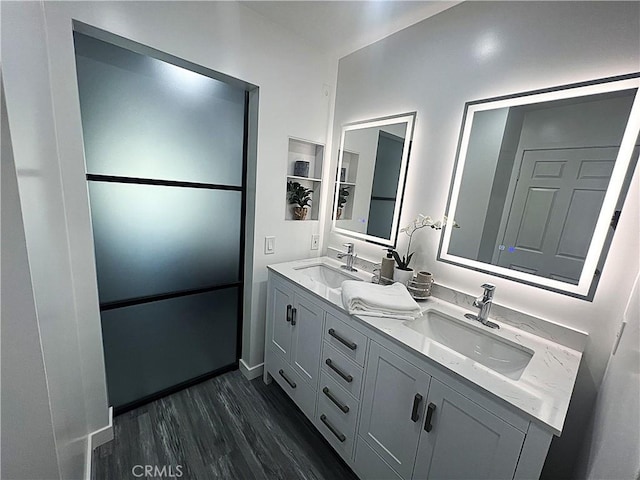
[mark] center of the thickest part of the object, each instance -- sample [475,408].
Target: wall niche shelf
[313,153]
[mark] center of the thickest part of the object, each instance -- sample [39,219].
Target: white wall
[28,445]
[30,111]
[479,50]
[612,449]
[295,99]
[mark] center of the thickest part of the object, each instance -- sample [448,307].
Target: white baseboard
[97,438]
[104,434]
[251,372]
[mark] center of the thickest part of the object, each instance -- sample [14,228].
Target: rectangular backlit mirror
[539,182]
[372,167]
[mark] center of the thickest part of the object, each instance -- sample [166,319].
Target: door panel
[385,184]
[155,239]
[155,345]
[308,320]
[141,113]
[555,206]
[165,162]
[386,424]
[281,305]
[466,441]
[573,242]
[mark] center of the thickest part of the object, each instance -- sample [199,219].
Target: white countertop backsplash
[544,389]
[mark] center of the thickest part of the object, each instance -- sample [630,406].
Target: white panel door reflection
[556,202]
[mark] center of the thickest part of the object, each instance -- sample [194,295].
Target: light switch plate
[269,245]
[315,242]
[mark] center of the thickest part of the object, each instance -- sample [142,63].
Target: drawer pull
[427,423]
[333,429]
[347,378]
[346,343]
[292,384]
[288,313]
[416,406]
[339,404]
[294,311]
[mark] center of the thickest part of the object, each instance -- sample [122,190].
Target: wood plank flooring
[223,428]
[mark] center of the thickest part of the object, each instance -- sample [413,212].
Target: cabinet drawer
[299,391]
[334,427]
[345,339]
[335,399]
[342,370]
[369,465]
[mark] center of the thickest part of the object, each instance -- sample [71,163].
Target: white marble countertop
[544,389]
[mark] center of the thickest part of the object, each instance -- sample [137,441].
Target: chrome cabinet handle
[346,343]
[427,423]
[291,384]
[416,406]
[288,313]
[333,429]
[346,377]
[339,404]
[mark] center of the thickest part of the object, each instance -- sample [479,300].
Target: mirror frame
[409,119]
[614,196]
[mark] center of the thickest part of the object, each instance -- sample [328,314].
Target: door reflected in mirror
[539,177]
[370,178]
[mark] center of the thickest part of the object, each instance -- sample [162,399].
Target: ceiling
[341,27]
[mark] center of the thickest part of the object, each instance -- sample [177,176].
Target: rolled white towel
[392,301]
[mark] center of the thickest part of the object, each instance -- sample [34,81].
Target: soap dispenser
[387,266]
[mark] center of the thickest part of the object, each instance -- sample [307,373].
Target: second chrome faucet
[483,302]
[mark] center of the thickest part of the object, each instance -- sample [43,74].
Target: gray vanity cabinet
[306,343]
[279,305]
[393,408]
[388,412]
[423,429]
[464,440]
[295,331]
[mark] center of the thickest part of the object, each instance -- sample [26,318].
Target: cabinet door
[280,307]
[393,407]
[307,324]
[465,440]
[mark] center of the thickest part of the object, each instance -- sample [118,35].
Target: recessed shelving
[308,179]
[313,153]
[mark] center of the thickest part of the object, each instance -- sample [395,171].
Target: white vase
[402,276]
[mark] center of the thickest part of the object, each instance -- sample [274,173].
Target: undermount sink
[497,354]
[326,275]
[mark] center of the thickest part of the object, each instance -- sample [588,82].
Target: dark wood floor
[224,428]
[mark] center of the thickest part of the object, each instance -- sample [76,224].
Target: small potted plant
[403,273]
[300,197]
[342,199]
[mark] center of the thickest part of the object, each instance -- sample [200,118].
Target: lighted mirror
[539,183]
[372,167]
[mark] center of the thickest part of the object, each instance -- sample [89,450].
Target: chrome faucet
[350,257]
[483,302]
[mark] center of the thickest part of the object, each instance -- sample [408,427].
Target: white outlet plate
[269,245]
[315,242]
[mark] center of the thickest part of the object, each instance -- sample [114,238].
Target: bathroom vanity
[440,396]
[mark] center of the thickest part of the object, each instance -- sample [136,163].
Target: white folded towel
[391,301]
